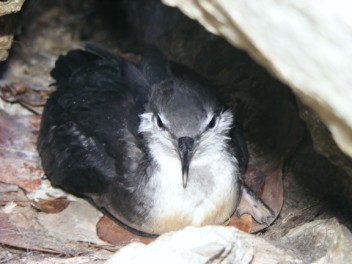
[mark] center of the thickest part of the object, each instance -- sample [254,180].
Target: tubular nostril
[185,143]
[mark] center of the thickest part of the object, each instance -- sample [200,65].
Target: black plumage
[89,141]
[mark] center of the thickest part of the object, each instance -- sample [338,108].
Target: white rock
[307,45]
[210,244]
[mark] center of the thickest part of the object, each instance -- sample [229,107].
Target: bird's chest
[210,196]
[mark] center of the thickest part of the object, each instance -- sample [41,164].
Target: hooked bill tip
[184,178]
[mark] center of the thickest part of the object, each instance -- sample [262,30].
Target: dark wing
[240,148]
[89,132]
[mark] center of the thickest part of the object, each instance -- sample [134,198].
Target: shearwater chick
[151,144]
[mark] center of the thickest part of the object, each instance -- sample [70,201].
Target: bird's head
[184,119]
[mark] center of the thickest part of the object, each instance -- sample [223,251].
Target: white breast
[211,195]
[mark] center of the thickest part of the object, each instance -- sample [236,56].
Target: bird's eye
[212,122]
[159,123]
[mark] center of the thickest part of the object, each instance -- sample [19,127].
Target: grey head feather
[180,97]
[181,107]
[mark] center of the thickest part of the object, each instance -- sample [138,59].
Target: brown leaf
[22,93]
[255,179]
[113,233]
[272,194]
[18,154]
[270,191]
[244,222]
[51,206]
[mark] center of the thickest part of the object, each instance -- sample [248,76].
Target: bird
[150,144]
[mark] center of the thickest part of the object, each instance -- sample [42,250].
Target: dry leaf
[24,95]
[51,206]
[243,223]
[111,232]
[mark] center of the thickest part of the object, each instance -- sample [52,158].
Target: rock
[303,44]
[8,23]
[321,241]
[322,140]
[10,6]
[210,244]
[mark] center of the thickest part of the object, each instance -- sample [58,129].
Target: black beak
[185,147]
